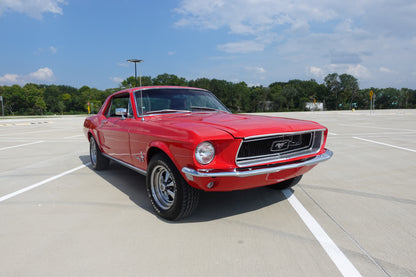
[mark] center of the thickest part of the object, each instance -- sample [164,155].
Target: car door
[114,129]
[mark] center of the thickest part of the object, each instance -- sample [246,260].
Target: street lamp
[135,61]
[2,107]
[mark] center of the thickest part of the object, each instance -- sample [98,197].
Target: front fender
[183,152]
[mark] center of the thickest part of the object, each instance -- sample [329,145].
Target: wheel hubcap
[163,187]
[93,151]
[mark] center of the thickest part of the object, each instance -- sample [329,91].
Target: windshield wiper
[203,108]
[181,111]
[166,111]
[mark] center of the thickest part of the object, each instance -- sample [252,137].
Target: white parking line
[32,132]
[20,145]
[374,127]
[340,260]
[385,144]
[77,136]
[10,195]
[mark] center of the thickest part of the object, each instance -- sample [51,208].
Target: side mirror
[121,112]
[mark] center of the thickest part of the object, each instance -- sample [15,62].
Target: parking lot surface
[352,215]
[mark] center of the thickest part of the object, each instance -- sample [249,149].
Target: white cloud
[256,69]
[367,39]
[358,71]
[345,57]
[248,16]
[9,79]
[53,49]
[41,75]
[385,70]
[241,47]
[254,85]
[33,8]
[316,71]
[116,79]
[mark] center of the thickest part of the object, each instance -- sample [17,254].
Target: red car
[185,140]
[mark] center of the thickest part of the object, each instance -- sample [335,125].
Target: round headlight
[205,152]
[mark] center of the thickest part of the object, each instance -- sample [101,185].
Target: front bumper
[190,173]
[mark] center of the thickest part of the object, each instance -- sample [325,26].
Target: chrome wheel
[163,187]
[93,152]
[98,161]
[171,197]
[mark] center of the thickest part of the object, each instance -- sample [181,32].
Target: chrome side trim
[138,170]
[190,173]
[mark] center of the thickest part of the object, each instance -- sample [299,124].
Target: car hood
[239,125]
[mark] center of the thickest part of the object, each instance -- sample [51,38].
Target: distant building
[311,106]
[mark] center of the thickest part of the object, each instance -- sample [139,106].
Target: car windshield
[172,100]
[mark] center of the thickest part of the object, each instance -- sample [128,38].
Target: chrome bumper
[190,173]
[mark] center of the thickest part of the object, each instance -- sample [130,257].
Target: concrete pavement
[88,223]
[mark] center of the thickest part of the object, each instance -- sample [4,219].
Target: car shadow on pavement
[216,205]
[125,180]
[212,205]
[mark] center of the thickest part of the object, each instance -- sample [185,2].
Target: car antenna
[141,102]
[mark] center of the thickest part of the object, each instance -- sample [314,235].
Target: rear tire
[98,161]
[286,184]
[171,196]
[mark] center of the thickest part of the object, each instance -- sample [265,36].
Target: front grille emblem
[280,145]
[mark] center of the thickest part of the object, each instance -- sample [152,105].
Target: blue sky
[87,42]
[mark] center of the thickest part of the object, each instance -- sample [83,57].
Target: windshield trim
[173,111]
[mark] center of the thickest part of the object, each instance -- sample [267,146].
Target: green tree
[131,82]
[13,99]
[333,84]
[349,88]
[221,89]
[40,105]
[387,98]
[51,98]
[336,91]
[277,97]
[60,106]
[241,95]
[289,93]
[169,80]
[200,83]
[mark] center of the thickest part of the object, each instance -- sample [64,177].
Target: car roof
[155,87]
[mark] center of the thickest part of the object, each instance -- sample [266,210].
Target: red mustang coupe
[185,140]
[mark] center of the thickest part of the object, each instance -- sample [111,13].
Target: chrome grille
[257,150]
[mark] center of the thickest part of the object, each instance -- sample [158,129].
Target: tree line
[337,92]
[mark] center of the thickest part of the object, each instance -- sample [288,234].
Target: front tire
[171,196]
[98,161]
[287,184]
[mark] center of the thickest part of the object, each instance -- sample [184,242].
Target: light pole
[135,61]
[2,107]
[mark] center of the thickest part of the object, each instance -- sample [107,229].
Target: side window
[130,111]
[120,106]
